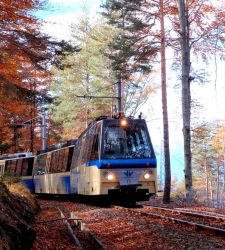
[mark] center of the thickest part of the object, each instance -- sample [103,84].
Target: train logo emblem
[128,173]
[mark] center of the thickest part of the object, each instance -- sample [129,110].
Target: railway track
[204,214]
[78,231]
[118,228]
[208,221]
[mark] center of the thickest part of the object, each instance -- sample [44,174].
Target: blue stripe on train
[29,184]
[66,183]
[124,163]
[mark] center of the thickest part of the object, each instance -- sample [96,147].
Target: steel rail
[181,211]
[81,225]
[215,215]
[69,228]
[196,225]
[181,221]
[53,220]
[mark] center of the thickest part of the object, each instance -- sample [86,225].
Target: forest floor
[118,228]
[115,227]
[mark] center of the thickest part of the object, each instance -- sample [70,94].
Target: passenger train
[113,157]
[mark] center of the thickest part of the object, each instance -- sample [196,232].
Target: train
[113,158]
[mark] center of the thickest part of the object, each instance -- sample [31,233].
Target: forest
[127,43]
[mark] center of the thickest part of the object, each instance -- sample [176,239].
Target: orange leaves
[24,51]
[172,10]
[219,139]
[21,41]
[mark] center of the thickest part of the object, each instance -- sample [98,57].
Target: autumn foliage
[25,53]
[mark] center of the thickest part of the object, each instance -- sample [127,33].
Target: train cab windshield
[130,140]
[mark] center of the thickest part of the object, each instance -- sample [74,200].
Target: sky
[61,13]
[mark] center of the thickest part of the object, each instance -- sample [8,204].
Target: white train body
[109,158]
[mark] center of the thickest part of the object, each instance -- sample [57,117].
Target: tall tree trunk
[207,181]
[167,186]
[186,96]
[222,183]
[32,137]
[211,189]
[223,188]
[15,138]
[218,186]
[87,102]
[120,104]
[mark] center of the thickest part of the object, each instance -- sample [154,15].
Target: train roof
[58,146]
[110,118]
[16,155]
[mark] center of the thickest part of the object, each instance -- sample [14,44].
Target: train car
[19,166]
[51,172]
[115,158]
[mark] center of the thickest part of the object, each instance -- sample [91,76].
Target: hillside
[17,210]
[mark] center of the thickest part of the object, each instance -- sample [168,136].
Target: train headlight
[110,177]
[123,122]
[147,176]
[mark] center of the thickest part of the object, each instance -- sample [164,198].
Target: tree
[219,159]
[186,96]
[26,54]
[23,42]
[84,73]
[136,46]
[167,186]
[132,47]
[208,162]
[136,92]
[203,153]
[199,26]
[200,38]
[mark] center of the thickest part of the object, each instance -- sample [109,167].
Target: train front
[128,162]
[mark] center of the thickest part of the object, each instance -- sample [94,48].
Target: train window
[27,166]
[24,167]
[54,162]
[40,164]
[94,151]
[95,143]
[126,142]
[63,160]
[19,163]
[30,166]
[69,158]
[86,148]
[19,167]
[59,160]
[90,145]
[2,168]
[10,168]
[76,154]
[58,166]
[83,152]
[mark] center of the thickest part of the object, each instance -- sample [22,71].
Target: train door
[2,168]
